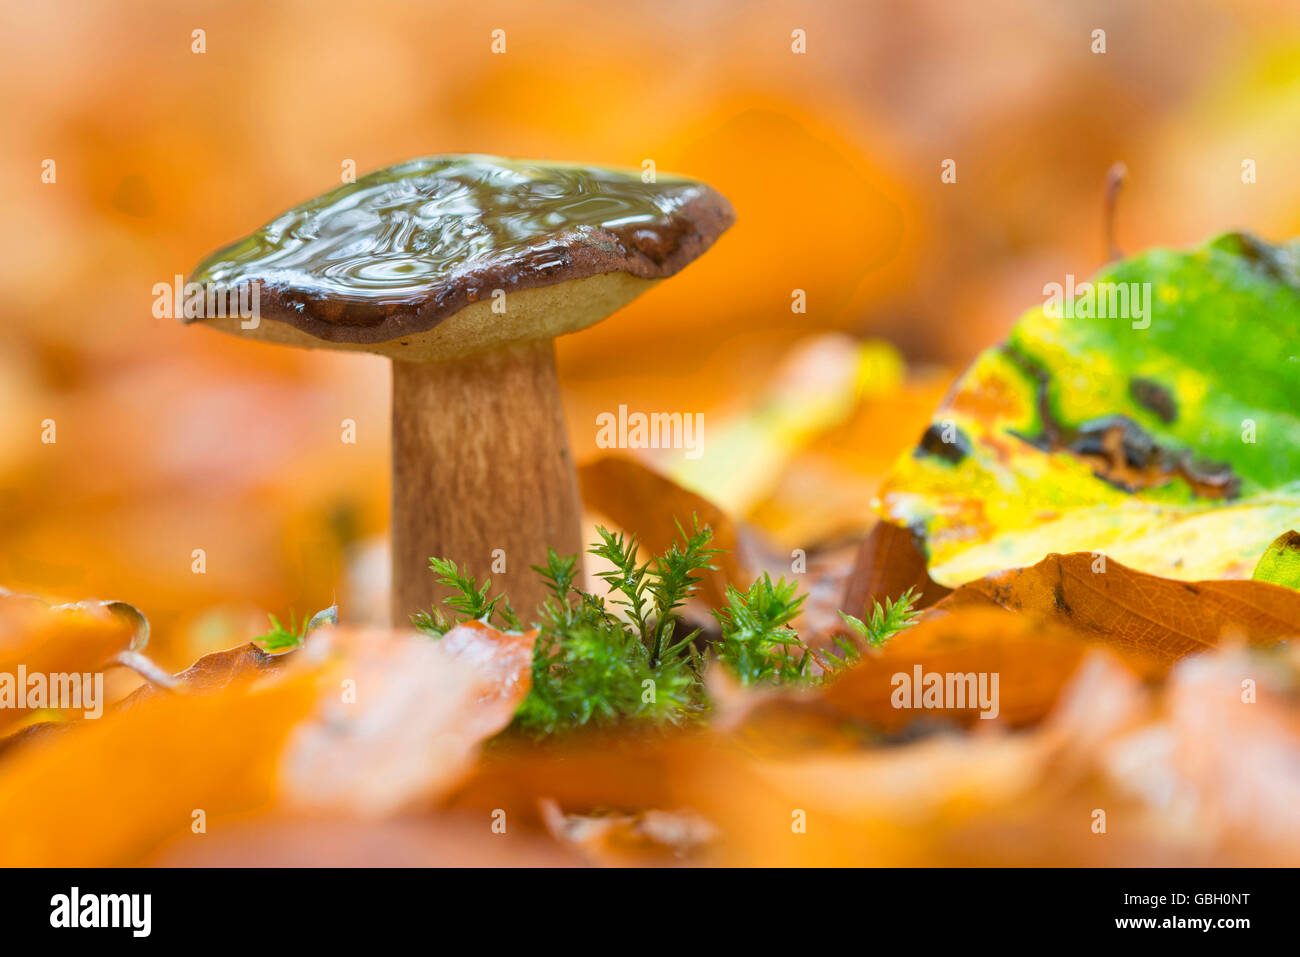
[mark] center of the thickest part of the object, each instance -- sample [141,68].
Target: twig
[1115,177]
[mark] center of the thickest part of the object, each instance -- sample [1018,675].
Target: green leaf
[1280,564]
[1167,437]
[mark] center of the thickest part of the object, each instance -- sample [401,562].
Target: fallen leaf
[1147,437]
[255,735]
[888,563]
[1220,769]
[912,804]
[1027,799]
[1032,661]
[61,639]
[649,505]
[1129,610]
[816,387]
[150,767]
[825,492]
[1280,564]
[646,838]
[400,717]
[215,672]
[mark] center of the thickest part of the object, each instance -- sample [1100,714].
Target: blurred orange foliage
[205,479]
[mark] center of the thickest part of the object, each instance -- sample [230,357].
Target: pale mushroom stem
[482,474]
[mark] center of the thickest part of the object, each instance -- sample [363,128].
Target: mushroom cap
[407,261]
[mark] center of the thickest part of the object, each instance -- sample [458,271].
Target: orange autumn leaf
[1032,661]
[945,799]
[288,737]
[61,639]
[649,505]
[911,804]
[888,563]
[284,839]
[1105,601]
[149,768]
[400,717]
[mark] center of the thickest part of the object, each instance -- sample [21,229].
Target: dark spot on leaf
[1120,451]
[1113,433]
[944,441]
[1273,261]
[1058,596]
[1154,396]
[1050,438]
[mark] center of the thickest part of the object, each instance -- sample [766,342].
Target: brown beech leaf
[912,804]
[216,671]
[150,767]
[282,839]
[61,639]
[400,717]
[1220,765]
[210,674]
[888,563]
[1031,659]
[649,505]
[991,798]
[647,838]
[290,737]
[1130,610]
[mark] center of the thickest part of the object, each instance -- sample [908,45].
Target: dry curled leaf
[649,837]
[1032,661]
[649,505]
[257,735]
[399,717]
[888,563]
[1105,601]
[61,639]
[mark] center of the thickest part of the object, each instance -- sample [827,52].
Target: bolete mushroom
[462,269]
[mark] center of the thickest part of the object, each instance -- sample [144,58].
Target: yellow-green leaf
[1280,564]
[1154,417]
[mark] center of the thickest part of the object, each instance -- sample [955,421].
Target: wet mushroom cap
[411,262]
[405,262]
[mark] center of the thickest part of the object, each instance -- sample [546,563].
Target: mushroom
[462,269]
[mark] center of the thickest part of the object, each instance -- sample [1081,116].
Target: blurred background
[171,440]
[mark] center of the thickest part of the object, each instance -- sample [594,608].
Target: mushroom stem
[482,474]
